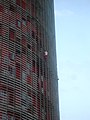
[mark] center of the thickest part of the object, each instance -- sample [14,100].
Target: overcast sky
[73,54]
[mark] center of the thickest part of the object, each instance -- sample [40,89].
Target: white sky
[73,58]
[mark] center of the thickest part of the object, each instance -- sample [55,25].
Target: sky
[72,23]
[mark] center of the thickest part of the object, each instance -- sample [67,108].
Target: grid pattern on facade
[25,80]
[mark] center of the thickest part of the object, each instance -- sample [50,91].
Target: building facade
[28,72]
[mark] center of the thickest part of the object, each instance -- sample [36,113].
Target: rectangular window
[42,84]
[32,9]
[30,108]
[34,100]
[14,1]
[0,53]
[28,46]
[23,21]
[4,116]
[38,69]
[28,65]
[28,53]
[17,70]
[23,40]
[23,76]
[28,18]
[40,43]
[18,24]
[23,50]
[10,96]
[29,91]
[18,52]
[33,66]
[5,72]
[11,118]
[17,116]
[18,40]
[0,29]
[6,60]
[41,71]
[33,47]
[3,93]
[11,34]
[28,68]
[37,39]
[24,96]
[11,71]
[33,34]
[12,8]
[12,56]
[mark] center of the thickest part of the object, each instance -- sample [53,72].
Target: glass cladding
[26,84]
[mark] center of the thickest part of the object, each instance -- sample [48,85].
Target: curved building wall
[28,74]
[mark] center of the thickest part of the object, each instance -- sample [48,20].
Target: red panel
[24,59]
[0,115]
[0,29]
[34,100]
[17,116]
[29,6]
[33,28]
[33,10]
[6,16]
[1,12]
[48,116]
[11,34]
[29,80]
[28,26]
[0,16]
[17,96]
[18,16]
[24,40]
[1,8]
[12,18]
[23,4]
[4,31]
[4,50]
[17,100]
[33,69]
[17,71]
[18,2]
[29,92]
[24,28]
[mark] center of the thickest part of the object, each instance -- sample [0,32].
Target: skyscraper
[28,72]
